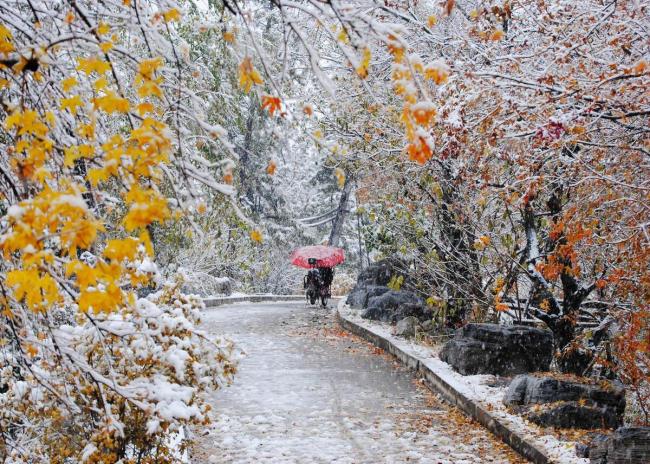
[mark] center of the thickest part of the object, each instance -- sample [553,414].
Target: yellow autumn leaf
[106,46]
[100,301]
[150,89]
[6,46]
[103,28]
[144,108]
[256,236]
[112,103]
[100,84]
[71,104]
[26,122]
[172,15]
[248,75]
[147,68]
[343,36]
[92,65]
[68,83]
[362,69]
[146,206]
[121,249]
[39,292]
[340,177]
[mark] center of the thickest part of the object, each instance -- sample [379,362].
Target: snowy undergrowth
[474,387]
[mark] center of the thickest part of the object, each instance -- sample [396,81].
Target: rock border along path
[448,392]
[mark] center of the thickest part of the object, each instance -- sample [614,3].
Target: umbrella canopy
[324,256]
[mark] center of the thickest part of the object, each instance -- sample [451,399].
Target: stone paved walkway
[306,392]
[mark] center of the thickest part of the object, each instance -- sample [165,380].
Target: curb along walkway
[220,301]
[439,383]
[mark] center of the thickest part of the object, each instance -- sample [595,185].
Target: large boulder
[378,314]
[382,303]
[374,280]
[499,350]
[381,272]
[358,298]
[561,403]
[628,445]
[393,306]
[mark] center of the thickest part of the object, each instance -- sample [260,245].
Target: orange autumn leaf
[448,6]
[229,36]
[496,35]
[272,104]
[423,113]
[419,151]
[438,72]
[270,169]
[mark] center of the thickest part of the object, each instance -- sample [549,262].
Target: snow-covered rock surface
[475,387]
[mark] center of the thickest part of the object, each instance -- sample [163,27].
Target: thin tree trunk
[342,211]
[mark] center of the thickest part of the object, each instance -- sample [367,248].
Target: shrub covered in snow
[109,387]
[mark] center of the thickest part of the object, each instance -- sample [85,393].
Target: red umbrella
[325,256]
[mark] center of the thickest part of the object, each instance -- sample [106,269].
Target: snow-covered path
[306,392]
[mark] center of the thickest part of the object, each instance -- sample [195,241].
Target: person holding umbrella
[320,260]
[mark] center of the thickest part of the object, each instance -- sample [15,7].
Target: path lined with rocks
[308,392]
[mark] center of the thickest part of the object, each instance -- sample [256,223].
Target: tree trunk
[560,317]
[341,212]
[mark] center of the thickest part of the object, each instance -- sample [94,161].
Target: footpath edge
[213,302]
[473,409]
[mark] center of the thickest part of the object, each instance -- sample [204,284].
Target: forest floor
[306,391]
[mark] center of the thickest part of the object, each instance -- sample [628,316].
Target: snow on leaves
[96,102]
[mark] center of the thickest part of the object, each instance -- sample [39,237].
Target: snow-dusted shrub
[343,282]
[204,284]
[97,104]
[111,387]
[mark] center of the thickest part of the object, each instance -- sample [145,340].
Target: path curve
[307,392]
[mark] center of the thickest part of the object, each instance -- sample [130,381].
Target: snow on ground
[308,392]
[474,387]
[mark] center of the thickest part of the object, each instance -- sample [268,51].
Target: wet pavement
[308,392]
